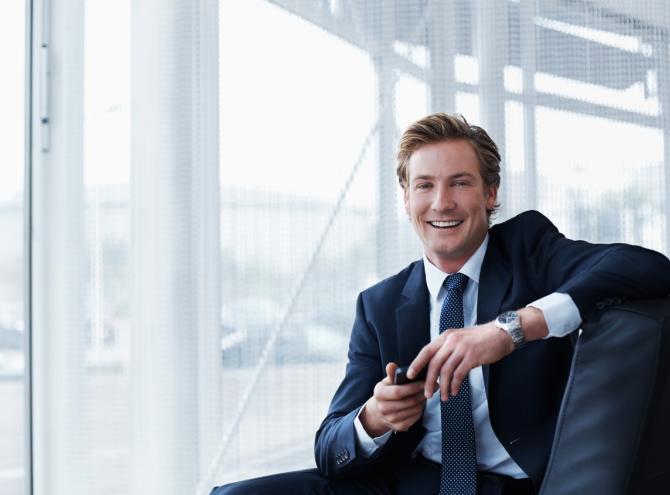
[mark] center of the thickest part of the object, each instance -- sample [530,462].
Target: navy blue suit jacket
[526,259]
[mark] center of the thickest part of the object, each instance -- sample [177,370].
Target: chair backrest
[613,431]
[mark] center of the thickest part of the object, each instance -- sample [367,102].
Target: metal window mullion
[207,237]
[387,222]
[57,244]
[442,48]
[490,50]
[27,250]
[529,68]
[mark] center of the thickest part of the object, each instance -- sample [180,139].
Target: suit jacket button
[600,305]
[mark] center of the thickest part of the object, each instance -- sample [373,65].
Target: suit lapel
[494,279]
[413,316]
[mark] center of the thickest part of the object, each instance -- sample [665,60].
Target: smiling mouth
[446,225]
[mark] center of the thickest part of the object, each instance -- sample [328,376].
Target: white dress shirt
[562,317]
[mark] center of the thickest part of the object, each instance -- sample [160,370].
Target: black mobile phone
[400,377]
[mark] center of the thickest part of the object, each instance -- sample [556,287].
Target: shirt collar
[435,277]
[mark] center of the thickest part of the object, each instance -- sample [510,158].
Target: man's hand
[392,407]
[454,353]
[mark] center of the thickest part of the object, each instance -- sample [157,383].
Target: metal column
[30,43]
[58,245]
[387,223]
[442,49]
[490,21]
[206,238]
[528,67]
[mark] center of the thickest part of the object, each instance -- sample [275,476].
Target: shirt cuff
[560,313]
[366,443]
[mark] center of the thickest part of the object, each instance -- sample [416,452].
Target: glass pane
[12,92]
[297,224]
[573,98]
[105,398]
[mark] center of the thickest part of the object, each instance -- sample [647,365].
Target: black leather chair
[613,432]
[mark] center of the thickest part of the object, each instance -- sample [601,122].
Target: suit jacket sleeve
[594,275]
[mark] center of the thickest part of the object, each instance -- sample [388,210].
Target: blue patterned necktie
[459,462]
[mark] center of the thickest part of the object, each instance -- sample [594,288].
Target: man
[489,314]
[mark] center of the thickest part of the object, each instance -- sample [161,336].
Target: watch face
[508,317]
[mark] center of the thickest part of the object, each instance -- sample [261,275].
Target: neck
[447,266]
[452,264]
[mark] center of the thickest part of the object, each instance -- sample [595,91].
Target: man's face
[446,200]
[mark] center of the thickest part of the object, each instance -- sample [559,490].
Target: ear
[491,197]
[406,196]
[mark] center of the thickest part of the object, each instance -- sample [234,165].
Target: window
[13,423]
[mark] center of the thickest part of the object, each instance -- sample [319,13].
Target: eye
[461,183]
[424,185]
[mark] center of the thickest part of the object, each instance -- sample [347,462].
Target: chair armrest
[612,434]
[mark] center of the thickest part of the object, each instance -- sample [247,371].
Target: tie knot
[456,281]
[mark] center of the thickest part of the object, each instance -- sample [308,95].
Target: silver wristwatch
[510,322]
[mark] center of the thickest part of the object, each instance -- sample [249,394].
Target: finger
[421,360]
[396,406]
[410,412]
[459,376]
[390,371]
[418,406]
[420,396]
[407,423]
[435,367]
[409,390]
[397,416]
[404,415]
[446,375]
[397,392]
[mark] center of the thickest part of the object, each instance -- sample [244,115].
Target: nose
[443,200]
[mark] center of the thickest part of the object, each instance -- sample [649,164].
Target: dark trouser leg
[496,484]
[417,477]
[307,482]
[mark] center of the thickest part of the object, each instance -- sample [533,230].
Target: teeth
[451,223]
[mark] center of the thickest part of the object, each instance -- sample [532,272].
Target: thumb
[390,371]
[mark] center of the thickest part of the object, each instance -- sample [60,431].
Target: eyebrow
[458,175]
